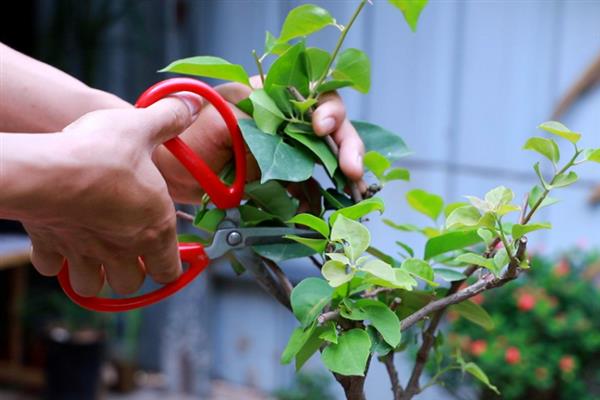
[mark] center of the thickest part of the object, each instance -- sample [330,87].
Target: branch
[184,216]
[285,283]
[388,361]
[328,316]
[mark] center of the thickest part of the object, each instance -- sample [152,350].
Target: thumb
[170,116]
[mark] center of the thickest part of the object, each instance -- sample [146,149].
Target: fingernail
[326,125]
[193,103]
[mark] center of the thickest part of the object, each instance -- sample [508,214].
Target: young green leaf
[449,275]
[276,159]
[246,106]
[450,241]
[309,348]
[396,174]
[499,197]
[318,60]
[332,85]
[426,203]
[337,273]
[273,198]
[309,298]
[283,251]
[478,373]
[313,222]
[476,259]
[317,146]
[272,46]
[383,319]
[359,210]
[387,276]
[419,268]
[266,114]
[353,65]
[376,163]
[298,339]
[378,345]
[534,196]
[501,258]
[318,245]
[288,70]
[210,67]
[349,356]
[411,9]
[252,216]
[518,230]
[474,313]
[304,20]
[376,138]
[207,220]
[406,248]
[592,155]
[353,235]
[330,333]
[463,216]
[453,206]
[546,147]
[305,105]
[564,180]
[536,168]
[556,128]
[338,257]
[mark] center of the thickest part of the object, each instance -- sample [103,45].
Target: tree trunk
[354,386]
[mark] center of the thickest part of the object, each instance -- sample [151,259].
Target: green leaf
[283,251]
[349,356]
[273,198]
[378,344]
[288,70]
[272,46]
[318,147]
[474,313]
[252,216]
[359,210]
[387,276]
[354,235]
[420,269]
[535,194]
[330,333]
[311,346]
[298,339]
[304,20]
[353,65]
[411,9]
[463,216]
[376,163]
[536,168]
[305,105]
[546,147]
[476,259]
[376,138]
[246,106]
[383,319]
[318,60]
[396,174]
[478,373]
[276,159]
[406,248]
[337,273]
[499,197]
[449,275]
[501,259]
[556,128]
[266,114]
[189,238]
[210,67]
[453,206]
[564,180]
[426,203]
[318,245]
[450,241]
[592,155]
[518,230]
[313,222]
[332,85]
[486,235]
[309,298]
[402,227]
[207,220]
[338,257]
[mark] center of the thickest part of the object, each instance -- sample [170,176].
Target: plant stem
[337,48]
[259,66]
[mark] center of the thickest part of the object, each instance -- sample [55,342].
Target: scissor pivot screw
[234,238]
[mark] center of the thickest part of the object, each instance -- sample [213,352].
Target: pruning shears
[229,235]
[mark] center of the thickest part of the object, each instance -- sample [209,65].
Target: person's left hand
[209,138]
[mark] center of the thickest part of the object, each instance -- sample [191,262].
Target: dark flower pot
[73,365]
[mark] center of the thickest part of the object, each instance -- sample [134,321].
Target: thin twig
[316,262]
[280,275]
[524,209]
[185,216]
[328,316]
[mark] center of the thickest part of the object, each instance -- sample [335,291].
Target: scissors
[229,235]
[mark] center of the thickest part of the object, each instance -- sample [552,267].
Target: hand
[209,137]
[106,204]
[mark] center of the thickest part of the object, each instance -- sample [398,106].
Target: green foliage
[266,115]
[426,203]
[354,66]
[558,129]
[210,67]
[304,20]
[349,356]
[411,9]
[309,298]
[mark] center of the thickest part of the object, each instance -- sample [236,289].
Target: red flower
[478,347]
[512,355]
[567,364]
[526,302]
[477,299]
[562,268]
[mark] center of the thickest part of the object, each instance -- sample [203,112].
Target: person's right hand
[107,204]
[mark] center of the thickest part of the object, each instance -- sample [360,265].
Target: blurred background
[464,92]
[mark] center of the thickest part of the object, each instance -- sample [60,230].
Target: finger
[46,261]
[86,275]
[161,256]
[125,276]
[170,116]
[351,151]
[329,115]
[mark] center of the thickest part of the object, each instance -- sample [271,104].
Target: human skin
[86,220]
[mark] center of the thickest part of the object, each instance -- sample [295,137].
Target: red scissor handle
[222,195]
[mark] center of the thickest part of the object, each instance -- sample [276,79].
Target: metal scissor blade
[228,239]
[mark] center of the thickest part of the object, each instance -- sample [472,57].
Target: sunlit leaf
[210,67]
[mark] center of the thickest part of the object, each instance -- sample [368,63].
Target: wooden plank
[21,376]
